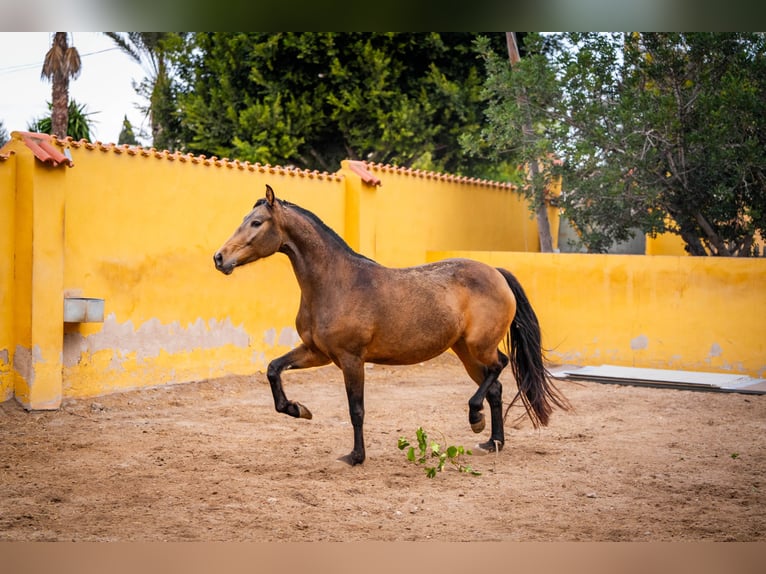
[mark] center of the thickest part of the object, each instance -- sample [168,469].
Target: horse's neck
[315,256]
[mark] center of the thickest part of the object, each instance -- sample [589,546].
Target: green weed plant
[433,457]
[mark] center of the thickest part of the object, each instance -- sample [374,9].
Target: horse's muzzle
[225,268]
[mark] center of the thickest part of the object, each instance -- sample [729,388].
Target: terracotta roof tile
[360,169]
[43,148]
[385,168]
[214,161]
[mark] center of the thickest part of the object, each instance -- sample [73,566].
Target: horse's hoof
[478,426]
[490,446]
[479,450]
[303,412]
[352,458]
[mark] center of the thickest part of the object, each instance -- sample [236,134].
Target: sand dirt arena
[213,461]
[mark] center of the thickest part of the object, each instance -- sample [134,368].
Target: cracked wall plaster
[152,337]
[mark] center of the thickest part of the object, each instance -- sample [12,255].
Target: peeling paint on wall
[289,337]
[6,376]
[716,350]
[151,338]
[639,343]
[24,361]
[258,358]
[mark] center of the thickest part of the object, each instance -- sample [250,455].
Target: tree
[62,63]
[516,92]
[705,160]
[79,122]
[656,132]
[536,183]
[151,51]
[126,134]
[4,137]
[314,99]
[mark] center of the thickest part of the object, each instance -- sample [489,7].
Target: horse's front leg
[353,376]
[301,357]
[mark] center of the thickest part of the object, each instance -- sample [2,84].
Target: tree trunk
[60,91]
[711,236]
[60,111]
[541,209]
[541,214]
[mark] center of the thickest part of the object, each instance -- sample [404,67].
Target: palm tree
[147,49]
[3,134]
[79,122]
[62,62]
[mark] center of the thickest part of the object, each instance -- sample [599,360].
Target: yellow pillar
[7,256]
[360,207]
[38,282]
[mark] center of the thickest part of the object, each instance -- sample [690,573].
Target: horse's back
[413,314]
[487,303]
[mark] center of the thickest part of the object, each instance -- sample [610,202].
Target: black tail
[536,388]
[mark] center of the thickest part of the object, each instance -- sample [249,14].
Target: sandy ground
[213,461]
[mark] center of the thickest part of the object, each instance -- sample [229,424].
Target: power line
[22,67]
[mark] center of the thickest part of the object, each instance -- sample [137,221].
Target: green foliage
[314,99]
[79,123]
[651,128]
[126,134]
[433,452]
[151,50]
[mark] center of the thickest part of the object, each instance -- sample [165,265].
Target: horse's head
[258,236]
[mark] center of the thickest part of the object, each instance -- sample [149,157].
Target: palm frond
[72,63]
[125,44]
[54,61]
[61,60]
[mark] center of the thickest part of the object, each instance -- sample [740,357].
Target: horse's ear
[270,195]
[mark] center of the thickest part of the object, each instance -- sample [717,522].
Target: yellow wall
[414,211]
[138,228]
[7,242]
[145,245]
[688,313]
[665,244]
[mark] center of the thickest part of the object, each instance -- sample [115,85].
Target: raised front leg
[301,357]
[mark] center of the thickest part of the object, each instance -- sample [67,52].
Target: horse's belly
[404,355]
[420,338]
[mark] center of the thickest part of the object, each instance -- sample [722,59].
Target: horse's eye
[255,223]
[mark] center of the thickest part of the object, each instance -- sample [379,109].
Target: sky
[105,84]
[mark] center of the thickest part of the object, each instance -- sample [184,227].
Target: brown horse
[354,310]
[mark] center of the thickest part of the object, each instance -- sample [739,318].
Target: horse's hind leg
[299,358]
[495,400]
[492,390]
[486,376]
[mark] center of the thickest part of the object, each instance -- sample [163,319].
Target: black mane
[319,224]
